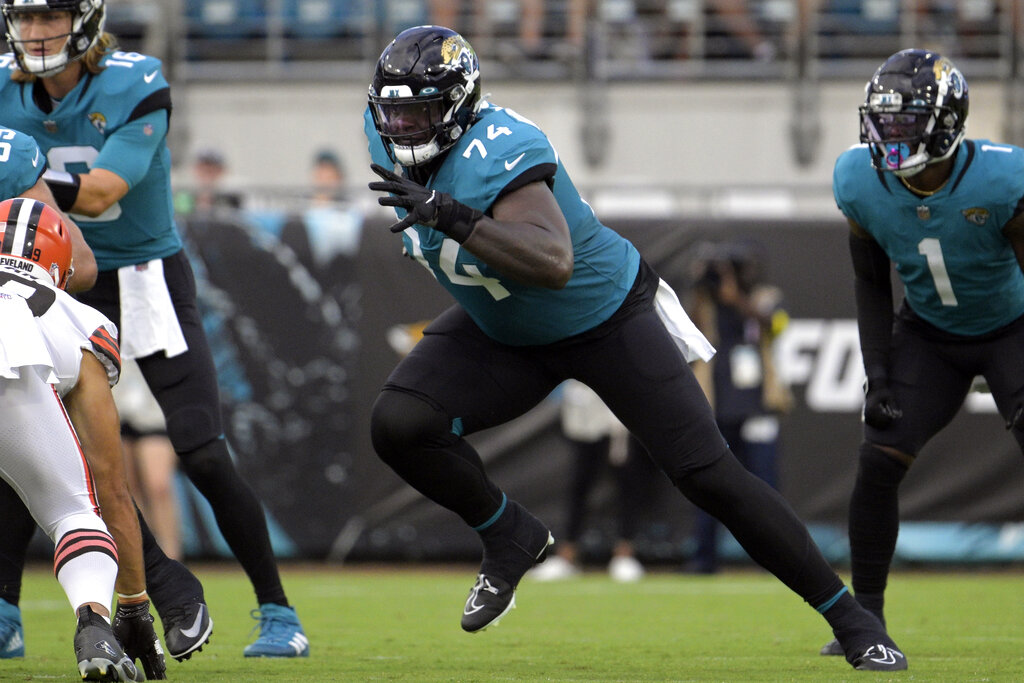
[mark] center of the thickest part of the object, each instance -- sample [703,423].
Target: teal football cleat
[12,636]
[280,633]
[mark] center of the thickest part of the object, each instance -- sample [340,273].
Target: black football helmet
[914,113]
[425,93]
[87,19]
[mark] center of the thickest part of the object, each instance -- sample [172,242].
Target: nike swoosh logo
[193,630]
[471,606]
[149,77]
[35,159]
[509,165]
[888,655]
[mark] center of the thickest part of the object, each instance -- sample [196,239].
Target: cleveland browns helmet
[425,93]
[914,113]
[87,18]
[35,234]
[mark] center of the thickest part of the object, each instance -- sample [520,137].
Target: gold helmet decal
[455,51]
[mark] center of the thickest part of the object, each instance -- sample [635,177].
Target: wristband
[133,596]
[64,186]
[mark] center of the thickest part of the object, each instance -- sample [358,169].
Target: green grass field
[402,624]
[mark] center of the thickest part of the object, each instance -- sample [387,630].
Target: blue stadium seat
[326,18]
[394,16]
[226,18]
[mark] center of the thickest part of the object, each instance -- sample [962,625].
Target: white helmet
[87,18]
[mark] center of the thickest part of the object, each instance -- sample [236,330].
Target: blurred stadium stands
[625,39]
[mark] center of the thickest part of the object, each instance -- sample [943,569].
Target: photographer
[741,316]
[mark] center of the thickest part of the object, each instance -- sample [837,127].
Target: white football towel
[148,321]
[688,338]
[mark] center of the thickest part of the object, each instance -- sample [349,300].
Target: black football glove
[133,628]
[427,207]
[880,407]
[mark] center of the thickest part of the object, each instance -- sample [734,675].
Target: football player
[22,164]
[948,211]
[101,117]
[545,292]
[60,358]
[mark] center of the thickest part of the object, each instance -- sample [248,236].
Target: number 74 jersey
[959,271]
[501,152]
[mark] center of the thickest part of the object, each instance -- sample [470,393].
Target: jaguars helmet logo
[456,52]
[976,215]
[946,73]
[99,122]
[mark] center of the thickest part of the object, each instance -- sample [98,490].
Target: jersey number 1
[930,248]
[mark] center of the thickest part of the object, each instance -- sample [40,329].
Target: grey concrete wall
[698,140]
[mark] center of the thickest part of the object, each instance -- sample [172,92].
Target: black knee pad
[209,463]
[402,423]
[878,468]
[192,426]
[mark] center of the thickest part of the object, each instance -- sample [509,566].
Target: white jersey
[43,332]
[43,329]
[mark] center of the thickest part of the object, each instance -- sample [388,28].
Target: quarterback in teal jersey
[545,292]
[947,211]
[101,117]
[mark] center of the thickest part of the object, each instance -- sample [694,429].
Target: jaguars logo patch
[976,215]
[99,122]
[455,52]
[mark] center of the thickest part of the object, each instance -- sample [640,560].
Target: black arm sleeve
[873,291]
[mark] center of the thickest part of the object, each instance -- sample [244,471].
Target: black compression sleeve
[873,292]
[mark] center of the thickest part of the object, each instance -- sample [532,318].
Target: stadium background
[669,151]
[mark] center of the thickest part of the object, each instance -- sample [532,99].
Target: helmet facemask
[418,128]
[87,20]
[915,112]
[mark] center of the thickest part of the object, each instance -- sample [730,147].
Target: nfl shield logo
[923,212]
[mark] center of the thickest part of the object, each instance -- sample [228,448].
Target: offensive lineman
[545,293]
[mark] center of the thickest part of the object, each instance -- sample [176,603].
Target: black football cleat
[100,657]
[879,657]
[506,559]
[186,629]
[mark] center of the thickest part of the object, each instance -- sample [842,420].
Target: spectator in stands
[731,30]
[533,17]
[325,235]
[208,172]
[741,316]
[599,441]
[327,178]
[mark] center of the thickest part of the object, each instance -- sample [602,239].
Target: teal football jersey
[496,150]
[21,163]
[115,120]
[958,271]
